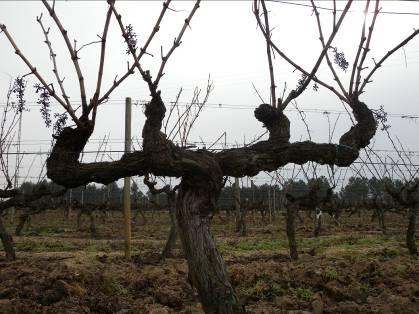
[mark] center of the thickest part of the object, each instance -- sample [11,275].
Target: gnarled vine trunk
[7,241]
[207,271]
[23,218]
[171,241]
[381,220]
[292,243]
[92,224]
[241,222]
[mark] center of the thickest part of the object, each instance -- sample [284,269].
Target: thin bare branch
[34,71]
[329,63]
[94,103]
[257,138]
[217,140]
[156,28]
[73,54]
[200,105]
[334,14]
[303,118]
[176,43]
[295,93]
[86,45]
[388,54]
[310,76]
[366,48]
[116,83]
[145,74]
[143,51]
[257,93]
[172,109]
[53,58]
[358,53]
[397,149]
[334,127]
[267,34]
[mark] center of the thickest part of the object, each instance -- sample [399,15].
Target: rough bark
[171,199]
[161,157]
[275,121]
[23,218]
[23,200]
[195,202]
[171,240]
[292,243]
[240,210]
[241,223]
[7,241]
[411,231]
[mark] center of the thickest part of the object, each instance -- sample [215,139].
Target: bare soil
[351,268]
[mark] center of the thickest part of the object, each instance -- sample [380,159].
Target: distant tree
[355,192]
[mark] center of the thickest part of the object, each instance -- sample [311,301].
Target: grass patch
[330,274]
[99,247]
[345,242]
[33,246]
[253,245]
[386,253]
[303,293]
[88,246]
[353,255]
[110,285]
[263,290]
[317,243]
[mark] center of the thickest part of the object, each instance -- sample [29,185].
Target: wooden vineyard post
[127,183]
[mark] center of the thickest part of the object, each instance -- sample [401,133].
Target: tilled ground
[267,283]
[362,272]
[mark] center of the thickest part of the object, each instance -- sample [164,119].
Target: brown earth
[352,268]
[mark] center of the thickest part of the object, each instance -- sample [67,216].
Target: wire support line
[116,140]
[247,107]
[340,10]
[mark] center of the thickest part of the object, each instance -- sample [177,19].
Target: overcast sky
[224,42]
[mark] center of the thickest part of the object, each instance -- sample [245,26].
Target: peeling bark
[195,203]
